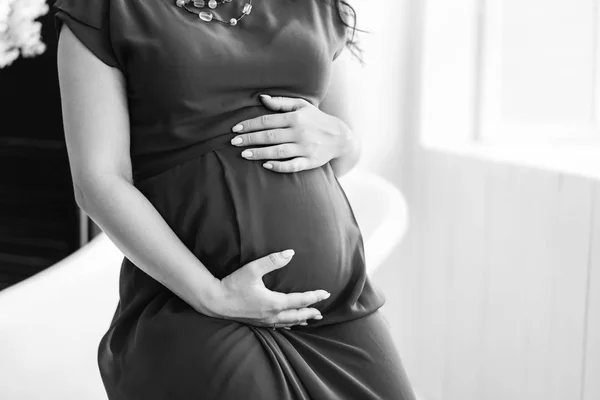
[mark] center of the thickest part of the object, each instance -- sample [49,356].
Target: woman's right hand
[245,298]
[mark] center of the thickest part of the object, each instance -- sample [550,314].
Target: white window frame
[456,111]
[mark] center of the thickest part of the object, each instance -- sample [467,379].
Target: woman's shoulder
[91,12]
[88,20]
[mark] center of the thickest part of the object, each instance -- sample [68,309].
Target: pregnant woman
[244,274]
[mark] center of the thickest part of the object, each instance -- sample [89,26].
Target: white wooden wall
[497,286]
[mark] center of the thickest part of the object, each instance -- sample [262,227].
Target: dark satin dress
[188,83]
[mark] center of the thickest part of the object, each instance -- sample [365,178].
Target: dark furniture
[40,222]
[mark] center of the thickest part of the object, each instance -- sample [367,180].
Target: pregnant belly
[230,211]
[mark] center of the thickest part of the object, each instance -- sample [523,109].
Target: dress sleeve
[89,21]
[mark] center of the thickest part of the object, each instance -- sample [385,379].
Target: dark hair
[345,11]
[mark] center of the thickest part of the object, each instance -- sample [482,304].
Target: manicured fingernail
[246,154]
[268,165]
[236,140]
[327,295]
[237,128]
[319,317]
[265,96]
[287,253]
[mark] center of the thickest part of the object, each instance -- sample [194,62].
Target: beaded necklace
[208,16]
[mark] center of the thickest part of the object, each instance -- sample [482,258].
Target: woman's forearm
[144,237]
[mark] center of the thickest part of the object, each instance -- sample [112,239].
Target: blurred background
[483,114]
[491,134]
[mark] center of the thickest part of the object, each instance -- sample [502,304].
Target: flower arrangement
[19,32]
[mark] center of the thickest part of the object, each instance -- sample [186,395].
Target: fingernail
[237,128]
[265,96]
[303,323]
[268,165]
[236,140]
[246,154]
[327,295]
[287,253]
[319,317]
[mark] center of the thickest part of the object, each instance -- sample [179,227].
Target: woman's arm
[306,135]
[96,124]
[336,104]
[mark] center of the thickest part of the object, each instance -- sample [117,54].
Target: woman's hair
[345,11]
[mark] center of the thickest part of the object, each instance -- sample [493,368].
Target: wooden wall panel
[437,177]
[535,193]
[591,379]
[465,281]
[504,292]
[570,248]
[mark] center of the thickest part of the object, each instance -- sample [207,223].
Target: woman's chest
[172,57]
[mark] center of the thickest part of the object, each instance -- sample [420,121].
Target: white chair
[51,323]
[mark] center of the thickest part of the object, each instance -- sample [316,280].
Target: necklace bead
[212,3]
[205,16]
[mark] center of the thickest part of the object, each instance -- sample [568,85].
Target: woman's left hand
[300,132]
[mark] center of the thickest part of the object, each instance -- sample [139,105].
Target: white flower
[19,32]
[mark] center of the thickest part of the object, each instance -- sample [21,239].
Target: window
[511,73]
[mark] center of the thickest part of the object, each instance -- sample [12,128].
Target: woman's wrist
[208,299]
[349,151]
